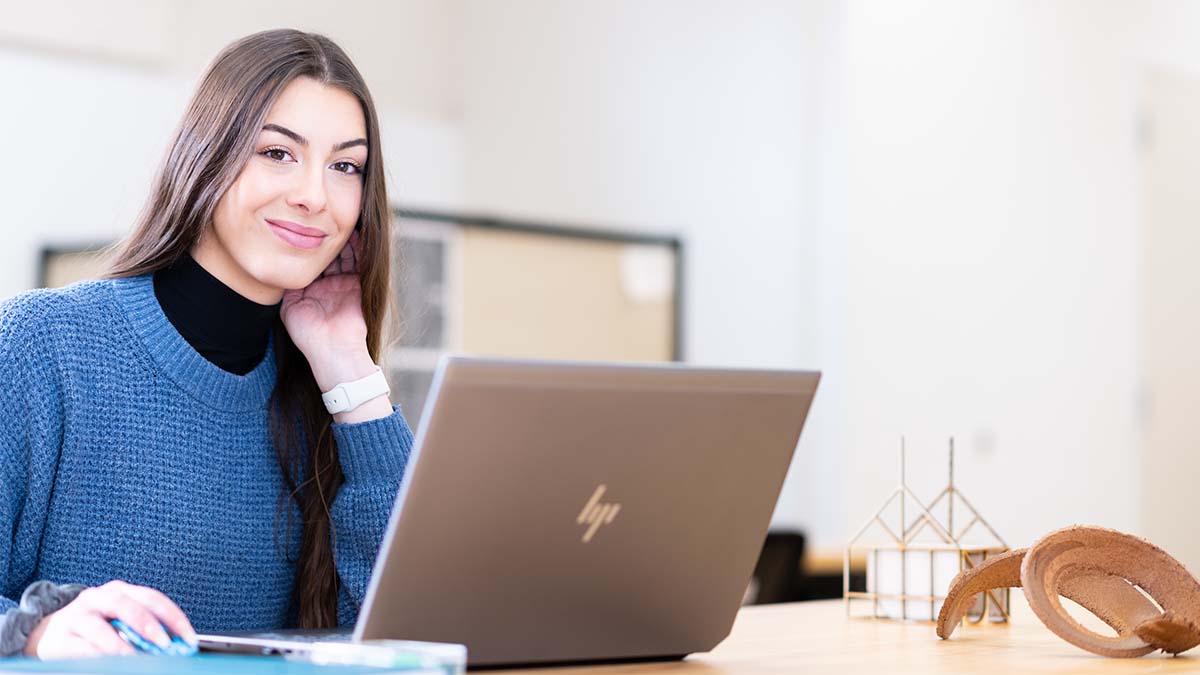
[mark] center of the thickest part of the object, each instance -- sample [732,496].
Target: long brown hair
[209,148]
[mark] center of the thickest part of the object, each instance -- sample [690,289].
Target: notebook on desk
[203,664]
[561,512]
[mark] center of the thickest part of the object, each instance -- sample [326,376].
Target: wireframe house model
[909,571]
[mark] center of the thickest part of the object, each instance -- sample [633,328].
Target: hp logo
[595,514]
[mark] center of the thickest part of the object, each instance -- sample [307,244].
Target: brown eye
[348,168]
[276,154]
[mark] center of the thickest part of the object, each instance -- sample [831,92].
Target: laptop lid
[561,512]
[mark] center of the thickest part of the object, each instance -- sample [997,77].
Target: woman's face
[295,203]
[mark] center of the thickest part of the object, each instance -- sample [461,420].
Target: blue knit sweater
[125,454]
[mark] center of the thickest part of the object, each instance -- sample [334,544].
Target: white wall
[405,49]
[82,140]
[1167,32]
[992,232]
[135,33]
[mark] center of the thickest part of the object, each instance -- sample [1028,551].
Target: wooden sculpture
[1102,570]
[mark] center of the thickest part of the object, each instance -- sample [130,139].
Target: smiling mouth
[293,238]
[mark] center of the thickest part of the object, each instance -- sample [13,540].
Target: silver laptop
[561,512]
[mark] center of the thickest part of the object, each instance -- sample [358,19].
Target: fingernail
[158,634]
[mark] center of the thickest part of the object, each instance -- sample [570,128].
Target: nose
[308,193]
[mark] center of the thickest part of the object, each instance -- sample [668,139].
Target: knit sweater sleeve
[373,455]
[30,437]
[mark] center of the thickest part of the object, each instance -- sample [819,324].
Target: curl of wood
[1102,570]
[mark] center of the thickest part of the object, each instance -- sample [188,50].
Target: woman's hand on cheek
[325,320]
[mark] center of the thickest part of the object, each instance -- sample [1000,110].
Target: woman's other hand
[82,627]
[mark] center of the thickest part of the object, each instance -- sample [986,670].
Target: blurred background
[978,219]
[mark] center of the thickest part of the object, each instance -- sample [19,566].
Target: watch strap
[349,395]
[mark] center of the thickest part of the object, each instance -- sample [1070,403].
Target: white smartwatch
[349,395]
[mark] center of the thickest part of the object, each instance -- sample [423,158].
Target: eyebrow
[304,141]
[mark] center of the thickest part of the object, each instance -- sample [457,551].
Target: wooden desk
[816,637]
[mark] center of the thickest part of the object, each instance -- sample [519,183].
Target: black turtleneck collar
[227,329]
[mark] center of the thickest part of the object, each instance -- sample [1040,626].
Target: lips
[295,234]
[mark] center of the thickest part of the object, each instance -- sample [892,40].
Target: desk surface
[817,637]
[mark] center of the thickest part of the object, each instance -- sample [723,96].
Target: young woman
[166,455]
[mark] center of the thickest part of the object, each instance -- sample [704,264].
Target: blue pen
[177,647]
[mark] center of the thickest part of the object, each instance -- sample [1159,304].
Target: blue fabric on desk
[125,454]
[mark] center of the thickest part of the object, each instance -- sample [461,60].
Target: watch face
[335,399]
